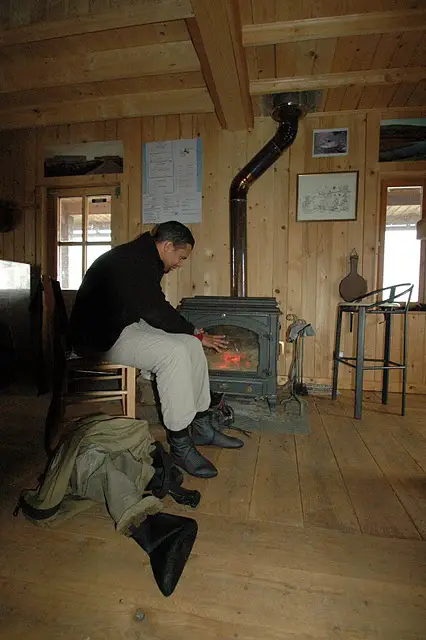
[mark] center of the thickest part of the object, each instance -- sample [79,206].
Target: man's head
[174,243]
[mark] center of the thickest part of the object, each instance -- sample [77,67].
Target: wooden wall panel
[300,264]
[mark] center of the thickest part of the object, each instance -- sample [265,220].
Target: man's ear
[168,245]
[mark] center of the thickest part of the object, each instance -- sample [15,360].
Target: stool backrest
[55,322]
[390,294]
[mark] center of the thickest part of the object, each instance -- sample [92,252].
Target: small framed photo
[330,142]
[327,196]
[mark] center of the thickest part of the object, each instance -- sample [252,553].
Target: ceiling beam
[110,108]
[23,72]
[333,80]
[216,36]
[142,12]
[334,27]
[41,98]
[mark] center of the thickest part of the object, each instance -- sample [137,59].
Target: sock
[183,433]
[201,414]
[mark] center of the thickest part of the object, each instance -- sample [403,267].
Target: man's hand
[218,343]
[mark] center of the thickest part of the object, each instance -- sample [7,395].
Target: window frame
[401,182]
[53,199]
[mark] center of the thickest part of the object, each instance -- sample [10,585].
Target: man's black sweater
[121,287]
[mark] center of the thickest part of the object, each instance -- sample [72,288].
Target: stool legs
[404,363]
[359,370]
[336,353]
[131,392]
[386,358]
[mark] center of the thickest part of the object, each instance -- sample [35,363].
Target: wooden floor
[300,538]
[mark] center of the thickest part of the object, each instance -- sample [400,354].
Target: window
[83,233]
[402,254]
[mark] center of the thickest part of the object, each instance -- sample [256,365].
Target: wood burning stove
[248,367]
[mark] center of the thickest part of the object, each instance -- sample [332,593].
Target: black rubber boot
[186,456]
[168,478]
[203,432]
[168,540]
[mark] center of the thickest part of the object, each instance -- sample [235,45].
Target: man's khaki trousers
[178,363]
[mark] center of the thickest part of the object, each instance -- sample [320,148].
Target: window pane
[94,251]
[70,266]
[99,219]
[402,249]
[70,219]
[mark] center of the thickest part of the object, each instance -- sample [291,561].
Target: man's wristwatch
[199,333]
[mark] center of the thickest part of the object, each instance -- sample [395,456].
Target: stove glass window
[242,353]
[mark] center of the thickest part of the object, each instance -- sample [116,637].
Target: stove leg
[272,403]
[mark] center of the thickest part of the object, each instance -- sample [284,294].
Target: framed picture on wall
[402,140]
[85,158]
[327,196]
[330,142]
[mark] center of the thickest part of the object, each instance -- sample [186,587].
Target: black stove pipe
[287,115]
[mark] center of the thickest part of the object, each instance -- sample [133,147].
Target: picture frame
[330,142]
[327,196]
[85,158]
[402,140]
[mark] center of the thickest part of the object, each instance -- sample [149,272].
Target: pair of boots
[203,430]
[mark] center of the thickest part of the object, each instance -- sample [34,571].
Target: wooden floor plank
[378,509]
[229,494]
[412,438]
[324,404]
[324,497]
[276,491]
[406,477]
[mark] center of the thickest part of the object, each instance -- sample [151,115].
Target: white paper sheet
[172,184]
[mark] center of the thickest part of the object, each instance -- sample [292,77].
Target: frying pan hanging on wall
[10,215]
[353,286]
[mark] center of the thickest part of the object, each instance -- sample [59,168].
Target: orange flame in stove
[232,360]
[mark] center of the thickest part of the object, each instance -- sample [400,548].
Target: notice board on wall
[172,181]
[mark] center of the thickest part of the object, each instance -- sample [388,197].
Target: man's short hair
[172,231]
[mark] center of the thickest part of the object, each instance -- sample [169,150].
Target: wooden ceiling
[65,61]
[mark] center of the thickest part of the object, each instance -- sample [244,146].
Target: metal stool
[388,307]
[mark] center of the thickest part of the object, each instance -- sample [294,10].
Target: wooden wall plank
[260,218]
[6,181]
[31,214]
